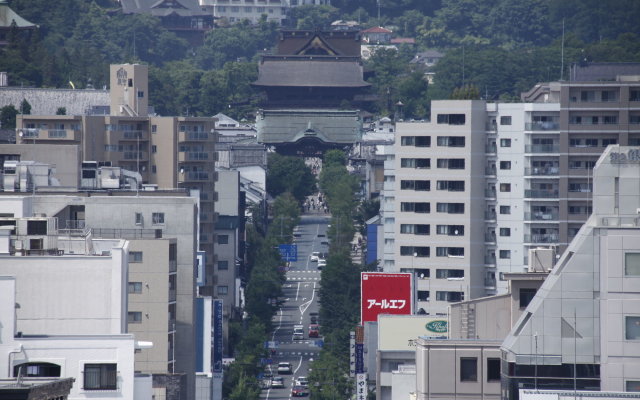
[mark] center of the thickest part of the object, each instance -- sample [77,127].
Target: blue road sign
[288,252]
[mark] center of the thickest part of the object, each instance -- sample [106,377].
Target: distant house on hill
[9,19]
[185,18]
[376,35]
[428,58]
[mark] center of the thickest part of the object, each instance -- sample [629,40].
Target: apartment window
[505,142]
[451,119]
[135,256]
[591,142]
[100,376]
[633,386]
[415,251]
[416,229]
[526,295]
[450,296]
[415,185]
[449,273]
[140,94]
[451,186]
[505,254]
[235,9]
[423,295]
[610,119]
[134,288]
[606,142]
[505,210]
[505,231]
[37,370]
[157,218]
[223,290]
[154,148]
[223,265]
[505,187]
[154,128]
[154,169]
[134,317]
[609,96]
[632,264]
[506,120]
[493,370]
[450,208]
[449,251]
[451,141]
[423,141]
[407,141]
[505,164]
[588,95]
[468,369]
[223,239]
[451,230]
[451,163]
[138,218]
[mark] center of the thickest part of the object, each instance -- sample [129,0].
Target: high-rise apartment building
[253,10]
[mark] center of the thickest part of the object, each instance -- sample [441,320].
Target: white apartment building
[253,10]
[65,315]
[439,204]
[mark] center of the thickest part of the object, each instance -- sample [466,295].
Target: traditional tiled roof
[376,29]
[317,71]
[162,8]
[8,17]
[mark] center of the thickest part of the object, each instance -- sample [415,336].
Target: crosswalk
[297,353]
[303,276]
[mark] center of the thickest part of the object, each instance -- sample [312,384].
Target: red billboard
[384,293]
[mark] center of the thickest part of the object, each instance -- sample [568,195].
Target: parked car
[315,256]
[284,368]
[299,391]
[302,381]
[322,263]
[314,330]
[277,382]
[298,332]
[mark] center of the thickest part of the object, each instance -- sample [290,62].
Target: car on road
[324,243]
[284,368]
[277,382]
[315,256]
[314,317]
[321,235]
[302,381]
[298,332]
[322,263]
[314,330]
[299,391]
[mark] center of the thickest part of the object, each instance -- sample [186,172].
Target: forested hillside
[498,47]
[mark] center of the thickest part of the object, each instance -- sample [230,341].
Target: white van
[298,332]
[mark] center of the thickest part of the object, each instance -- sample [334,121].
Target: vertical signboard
[217,335]
[385,293]
[361,387]
[352,354]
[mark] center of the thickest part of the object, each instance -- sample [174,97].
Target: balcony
[541,171]
[541,148]
[173,266]
[490,171]
[540,194]
[58,134]
[172,295]
[191,136]
[490,193]
[135,155]
[489,283]
[490,260]
[542,126]
[490,216]
[194,156]
[489,237]
[541,238]
[541,216]
[491,149]
[135,135]
[491,126]
[200,176]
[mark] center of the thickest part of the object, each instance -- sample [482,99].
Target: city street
[300,300]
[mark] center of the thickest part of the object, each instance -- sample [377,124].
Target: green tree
[25,107]
[61,111]
[310,17]
[289,174]
[8,117]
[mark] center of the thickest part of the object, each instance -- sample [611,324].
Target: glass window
[223,290]
[505,254]
[505,142]
[505,231]
[493,369]
[526,295]
[223,265]
[468,369]
[223,239]
[157,218]
[138,218]
[134,317]
[633,386]
[100,376]
[506,120]
[407,140]
[632,264]
[135,256]
[505,187]
[505,164]
[632,328]
[135,287]
[505,210]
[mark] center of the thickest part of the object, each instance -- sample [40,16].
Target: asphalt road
[300,299]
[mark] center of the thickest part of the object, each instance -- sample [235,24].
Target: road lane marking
[299,365]
[297,291]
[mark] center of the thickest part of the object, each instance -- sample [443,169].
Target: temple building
[313,86]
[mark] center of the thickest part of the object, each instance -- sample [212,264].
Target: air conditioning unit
[541,259]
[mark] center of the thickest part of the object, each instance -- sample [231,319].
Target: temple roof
[162,8]
[317,71]
[8,17]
